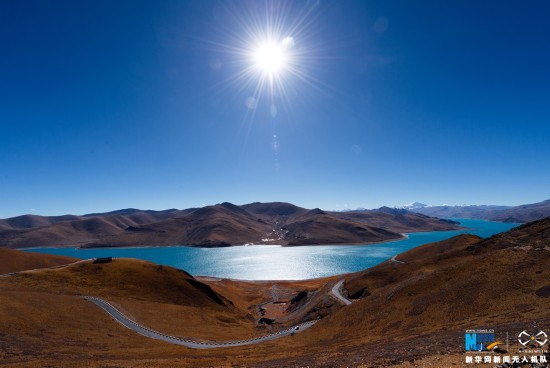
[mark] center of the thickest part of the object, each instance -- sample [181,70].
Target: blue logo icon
[479,340]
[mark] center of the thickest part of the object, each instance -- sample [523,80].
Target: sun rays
[269,49]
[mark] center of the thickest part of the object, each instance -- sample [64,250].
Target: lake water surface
[271,262]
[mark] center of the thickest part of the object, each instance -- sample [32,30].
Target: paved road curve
[336,293]
[132,325]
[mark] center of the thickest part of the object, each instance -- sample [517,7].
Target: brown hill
[317,227]
[274,209]
[442,289]
[74,231]
[532,236]
[135,211]
[15,261]
[220,225]
[143,289]
[398,220]
[127,278]
[279,223]
[133,215]
[30,221]
[524,213]
[67,233]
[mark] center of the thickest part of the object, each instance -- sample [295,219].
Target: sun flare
[270,53]
[270,58]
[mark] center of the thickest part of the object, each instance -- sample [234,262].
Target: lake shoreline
[275,262]
[403,236]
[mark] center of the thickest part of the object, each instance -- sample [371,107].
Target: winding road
[335,292]
[395,260]
[142,330]
[145,331]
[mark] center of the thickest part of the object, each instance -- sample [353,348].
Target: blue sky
[107,105]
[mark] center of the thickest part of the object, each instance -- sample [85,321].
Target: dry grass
[413,314]
[160,297]
[187,321]
[15,261]
[46,322]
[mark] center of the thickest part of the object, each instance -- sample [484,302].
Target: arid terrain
[409,311]
[14,261]
[214,226]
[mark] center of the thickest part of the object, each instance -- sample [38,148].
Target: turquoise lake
[271,262]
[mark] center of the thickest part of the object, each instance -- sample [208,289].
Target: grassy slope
[411,310]
[160,297]
[442,289]
[14,261]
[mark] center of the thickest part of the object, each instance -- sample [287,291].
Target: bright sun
[273,57]
[270,58]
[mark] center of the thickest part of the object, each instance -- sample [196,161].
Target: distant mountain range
[518,214]
[223,224]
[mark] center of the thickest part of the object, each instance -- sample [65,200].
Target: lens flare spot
[251,103]
[287,42]
[273,110]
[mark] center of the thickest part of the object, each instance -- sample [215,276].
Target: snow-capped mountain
[414,206]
